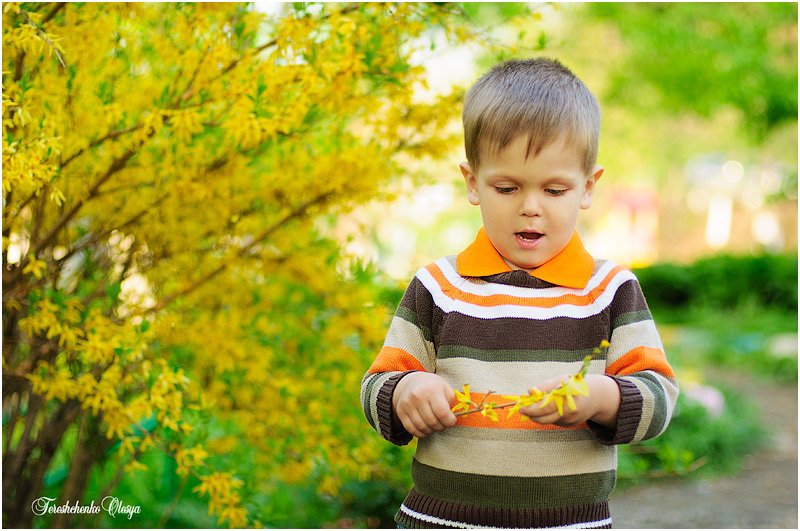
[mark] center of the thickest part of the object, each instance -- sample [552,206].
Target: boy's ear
[591,181]
[472,183]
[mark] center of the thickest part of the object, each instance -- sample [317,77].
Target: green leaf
[113,291]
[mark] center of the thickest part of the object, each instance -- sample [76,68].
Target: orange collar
[571,268]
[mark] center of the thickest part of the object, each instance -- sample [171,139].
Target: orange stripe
[541,302]
[517,421]
[641,359]
[395,359]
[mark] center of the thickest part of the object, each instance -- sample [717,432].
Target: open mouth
[529,236]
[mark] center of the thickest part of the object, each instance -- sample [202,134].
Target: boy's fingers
[549,419]
[430,419]
[443,413]
[412,421]
[445,416]
[449,395]
[542,417]
[536,411]
[418,427]
[549,385]
[435,417]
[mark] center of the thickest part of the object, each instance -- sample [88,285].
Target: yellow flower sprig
[574,385]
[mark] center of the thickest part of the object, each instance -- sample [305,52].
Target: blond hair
[538,97]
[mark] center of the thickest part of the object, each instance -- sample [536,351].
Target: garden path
[762,495]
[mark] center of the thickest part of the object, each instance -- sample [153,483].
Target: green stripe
[408,315]
[651,380]
[500,492]
[458,351]
[631,317]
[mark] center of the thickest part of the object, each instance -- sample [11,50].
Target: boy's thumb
[449,394]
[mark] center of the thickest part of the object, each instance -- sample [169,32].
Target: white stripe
[483,288]
[451,523]
[448,304]
[630,336]
[408,337]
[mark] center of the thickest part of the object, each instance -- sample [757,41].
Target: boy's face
[530,204]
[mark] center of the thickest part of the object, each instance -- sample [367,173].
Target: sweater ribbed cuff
[391,428]
[628,417]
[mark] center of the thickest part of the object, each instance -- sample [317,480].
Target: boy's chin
[521,265]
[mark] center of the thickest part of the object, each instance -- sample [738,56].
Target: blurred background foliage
[295,194]
[703,57]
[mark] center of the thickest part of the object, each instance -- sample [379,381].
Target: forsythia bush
[165,170]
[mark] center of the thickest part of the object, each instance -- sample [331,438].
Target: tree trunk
[90,448]
[23,479]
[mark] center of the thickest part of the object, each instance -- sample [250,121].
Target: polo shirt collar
[571,268]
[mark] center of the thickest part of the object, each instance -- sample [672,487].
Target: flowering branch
[43,36]
[574,385]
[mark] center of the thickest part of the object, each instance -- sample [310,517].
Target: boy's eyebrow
[566,179]
[502,175]
[498,174]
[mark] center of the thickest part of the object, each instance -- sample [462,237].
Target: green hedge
[723,281]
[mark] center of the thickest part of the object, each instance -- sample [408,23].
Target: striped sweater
[471,319]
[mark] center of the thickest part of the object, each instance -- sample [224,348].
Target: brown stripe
[627,299]
[506,518]
[417,299]
[511,333]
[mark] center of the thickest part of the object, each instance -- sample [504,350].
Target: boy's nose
[530,205]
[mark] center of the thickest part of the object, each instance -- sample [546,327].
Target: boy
[521,307]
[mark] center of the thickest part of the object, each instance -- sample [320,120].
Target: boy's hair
[538,97]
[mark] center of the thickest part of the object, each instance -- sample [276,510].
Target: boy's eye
[505,189]
[555,191]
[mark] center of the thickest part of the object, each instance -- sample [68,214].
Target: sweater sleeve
[637,363]
[408,347]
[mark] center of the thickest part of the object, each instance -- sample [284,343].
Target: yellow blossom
[133,466]
[556,396]
[187,458]
[488,411]
[576,385]
[464,400]
[36,267]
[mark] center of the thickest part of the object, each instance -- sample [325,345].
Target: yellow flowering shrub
[167,173]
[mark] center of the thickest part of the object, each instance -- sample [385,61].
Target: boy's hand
[601,406]
[421,402]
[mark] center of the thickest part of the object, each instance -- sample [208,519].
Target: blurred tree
[163,168]
[706,56]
